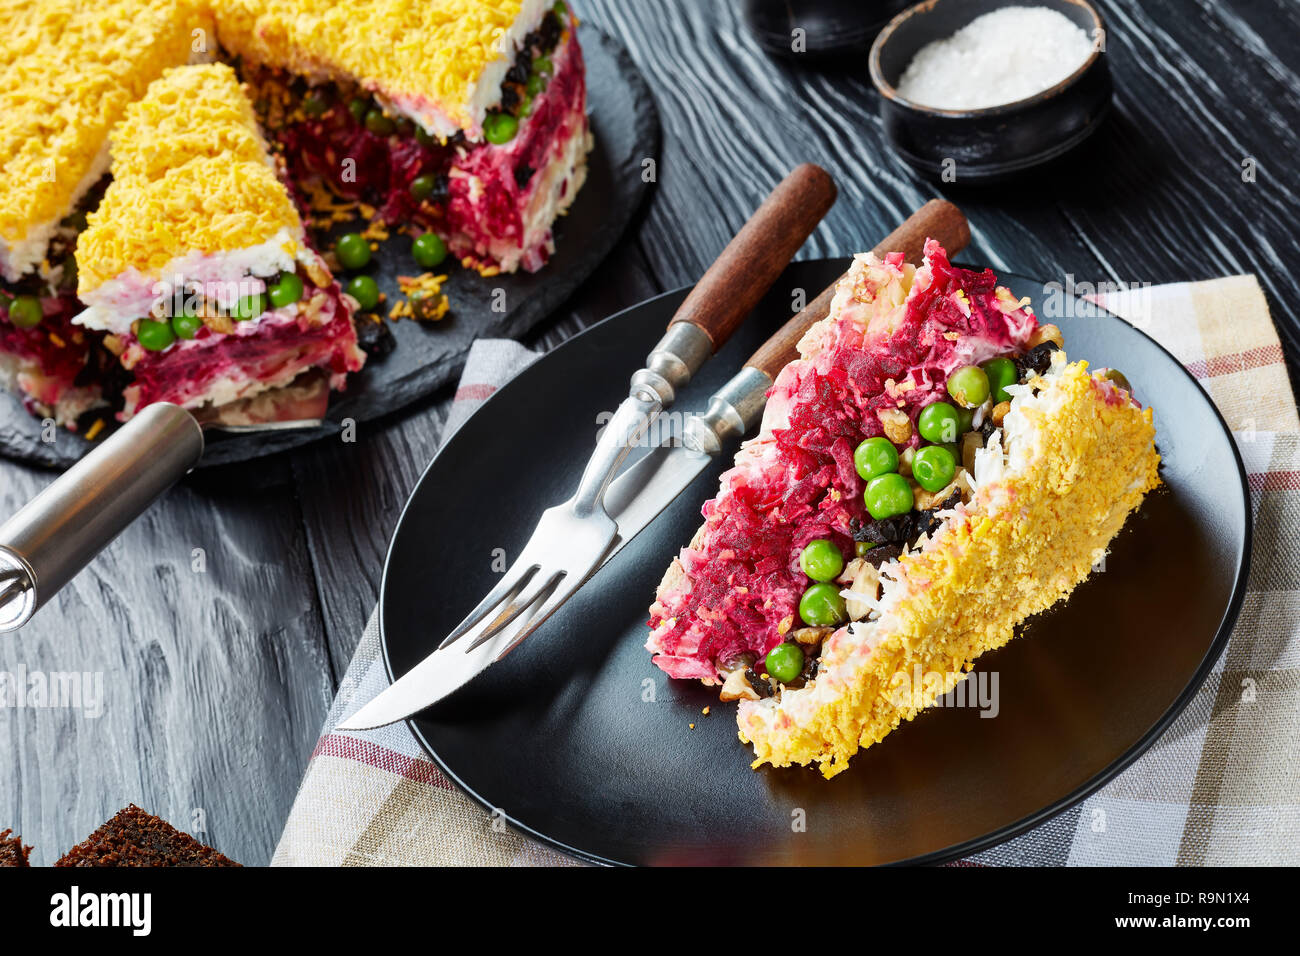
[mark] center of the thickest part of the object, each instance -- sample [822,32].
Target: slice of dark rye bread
[136,838]
[12,851]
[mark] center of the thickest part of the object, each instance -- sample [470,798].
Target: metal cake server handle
[77,515]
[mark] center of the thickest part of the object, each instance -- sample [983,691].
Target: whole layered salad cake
[464,116]
[195,266]
[68,70]
[930,473]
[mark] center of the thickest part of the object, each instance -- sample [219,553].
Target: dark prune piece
[761,687]
[1037,359]
[375,338]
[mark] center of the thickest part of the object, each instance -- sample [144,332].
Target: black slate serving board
[428,355]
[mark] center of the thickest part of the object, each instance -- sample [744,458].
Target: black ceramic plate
[578,739]
[625,125]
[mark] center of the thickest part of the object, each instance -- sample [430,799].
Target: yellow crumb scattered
[705,712]
[93,431]
[424,297]
[376,232]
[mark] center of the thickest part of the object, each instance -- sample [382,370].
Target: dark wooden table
[223,620]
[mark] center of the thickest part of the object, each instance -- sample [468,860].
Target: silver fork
[572,539]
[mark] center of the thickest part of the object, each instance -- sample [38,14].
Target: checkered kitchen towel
[1222,786]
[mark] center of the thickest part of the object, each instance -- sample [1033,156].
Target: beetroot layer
[745,580]
[276,352]
[56,347]
[483,190]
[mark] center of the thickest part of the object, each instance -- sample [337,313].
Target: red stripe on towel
[363,751]
[474,393]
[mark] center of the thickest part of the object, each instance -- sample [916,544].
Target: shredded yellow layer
[1028,540]
[435,50]
[68,70]
[191,173]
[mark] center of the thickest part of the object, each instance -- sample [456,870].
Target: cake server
[572,538]
[632,501]
[77,515]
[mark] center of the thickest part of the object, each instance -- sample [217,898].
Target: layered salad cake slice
[464,116]
[68,70]
[195,266]
[930,473]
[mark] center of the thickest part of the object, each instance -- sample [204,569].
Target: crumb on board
[93,431]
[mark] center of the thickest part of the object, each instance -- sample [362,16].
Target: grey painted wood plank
[201,626]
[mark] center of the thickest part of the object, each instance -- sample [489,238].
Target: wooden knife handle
[937,219]
[758,254]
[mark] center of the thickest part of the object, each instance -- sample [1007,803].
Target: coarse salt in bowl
[975,91]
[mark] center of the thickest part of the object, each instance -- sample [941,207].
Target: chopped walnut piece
[318,274]
[1000,412]
[812,636]
[1047,333]
[866,580]
[971,442]
[221,324]
[898,427]
[736,687]
[925,500]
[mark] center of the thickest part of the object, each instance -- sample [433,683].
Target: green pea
[965,420]
[25,312]
[939,422]
[285,292]
[1116,376]
[249,307]
[542,64]
[784,662]
[933,467]
[359,108]
[315,103]
[560,8]
[353,250]
[535,84]
[821,560]
[186,326]
[888,495]
[822,606]
[424,137]
[366,291]
[953,449]
[155,336]
[421,188]
[969,386]
[500,128]
[875,456]
[1001,373]
[403,127]
[429,250]
[378,123]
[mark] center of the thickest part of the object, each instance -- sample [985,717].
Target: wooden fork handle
[937,219]
[758,254]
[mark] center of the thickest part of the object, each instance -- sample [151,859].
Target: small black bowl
[996,142]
